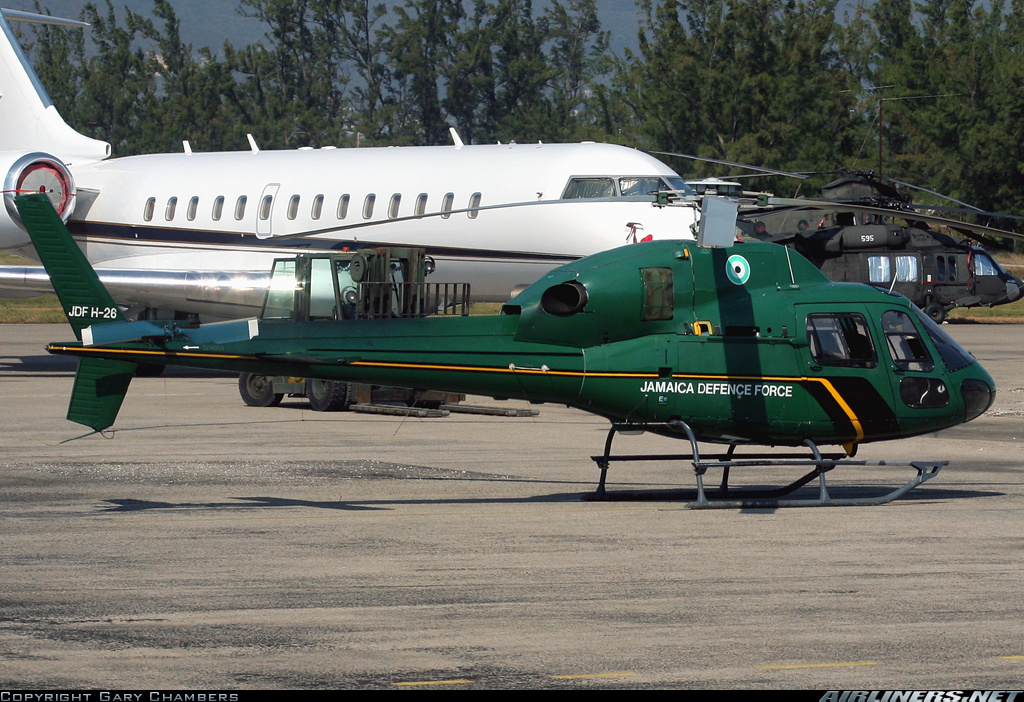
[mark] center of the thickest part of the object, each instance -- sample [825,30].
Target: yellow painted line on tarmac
[431,682]
[847,664]
[592,675]
[1010,658]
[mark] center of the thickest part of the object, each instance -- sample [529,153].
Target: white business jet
[197,233]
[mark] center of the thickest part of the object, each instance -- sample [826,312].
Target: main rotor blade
[960,210]
[770,171]
[930,192]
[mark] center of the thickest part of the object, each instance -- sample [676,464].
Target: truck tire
[328,395]
[258,390]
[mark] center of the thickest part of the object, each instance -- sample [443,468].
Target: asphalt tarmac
[209,545]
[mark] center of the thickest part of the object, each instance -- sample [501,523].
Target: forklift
[377,283]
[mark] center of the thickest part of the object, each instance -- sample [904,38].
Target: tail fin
[100,384]
[28,119]
[79,289]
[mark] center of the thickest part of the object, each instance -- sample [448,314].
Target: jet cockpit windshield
[587,188]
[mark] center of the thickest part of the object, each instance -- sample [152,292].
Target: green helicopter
[741,345]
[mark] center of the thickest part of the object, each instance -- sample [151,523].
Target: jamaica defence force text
[104,696]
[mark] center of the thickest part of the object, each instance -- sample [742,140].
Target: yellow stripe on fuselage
[850,414]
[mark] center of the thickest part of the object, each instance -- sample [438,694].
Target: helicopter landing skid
[724,498]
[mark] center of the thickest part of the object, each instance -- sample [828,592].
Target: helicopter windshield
[953,355]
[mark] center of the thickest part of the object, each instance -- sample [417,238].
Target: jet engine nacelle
[32,172]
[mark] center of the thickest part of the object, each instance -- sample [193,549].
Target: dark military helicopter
[870,233]
[741,345]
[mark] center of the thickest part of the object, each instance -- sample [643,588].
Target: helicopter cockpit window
[841,339]
[589,188]
[905,343]
[659,297]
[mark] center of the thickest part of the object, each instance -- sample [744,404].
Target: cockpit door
[848,370]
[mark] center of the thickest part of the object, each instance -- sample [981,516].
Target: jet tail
[28,120]
[100,384]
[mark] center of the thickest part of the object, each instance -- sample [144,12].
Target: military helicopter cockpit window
[841,339]
[984,265]
[905,343]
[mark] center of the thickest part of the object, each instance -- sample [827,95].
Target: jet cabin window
[172,204]
[841,339]
[240,207]
[446,205]
[318,207]
[368,206]
[218,208]
[193,207]
[474,202]
[265,205]
[421,204]
[343,206]
[147,211]
[396,200]
[293,207]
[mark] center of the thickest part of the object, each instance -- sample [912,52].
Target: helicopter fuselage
[745,345]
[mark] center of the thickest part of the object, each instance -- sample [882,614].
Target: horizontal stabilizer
[214,333]
[100,387]
[83,297]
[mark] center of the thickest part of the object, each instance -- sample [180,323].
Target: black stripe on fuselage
[168,236]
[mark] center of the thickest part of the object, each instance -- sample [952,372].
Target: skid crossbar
[724,498]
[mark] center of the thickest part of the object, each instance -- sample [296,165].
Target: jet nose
[978,396]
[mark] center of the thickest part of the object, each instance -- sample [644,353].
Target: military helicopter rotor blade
[767,171]
[800,203]
[931,192]
[961,210]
